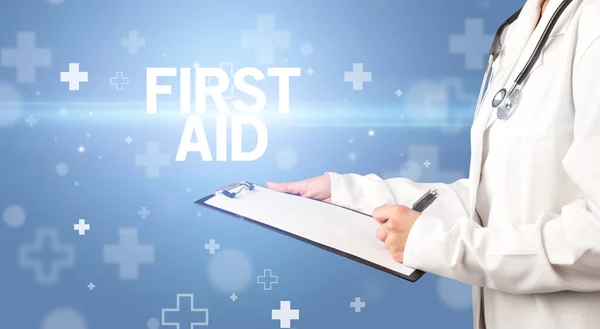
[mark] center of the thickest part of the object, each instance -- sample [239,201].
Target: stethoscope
[506,101]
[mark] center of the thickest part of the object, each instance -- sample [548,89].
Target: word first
[203,91]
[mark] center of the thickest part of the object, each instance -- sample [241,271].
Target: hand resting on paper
[396,221]
[318,188]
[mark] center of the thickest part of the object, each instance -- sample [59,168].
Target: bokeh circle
[62,169]
[230,271]
[11,104]
[64,318]
[454,294]
[287,159]
[153,323]
[306,49]
[14,216]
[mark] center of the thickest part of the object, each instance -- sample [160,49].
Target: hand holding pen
[397,221]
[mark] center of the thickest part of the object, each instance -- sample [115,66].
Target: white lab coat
[524,228]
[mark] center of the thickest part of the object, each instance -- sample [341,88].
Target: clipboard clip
[232,190]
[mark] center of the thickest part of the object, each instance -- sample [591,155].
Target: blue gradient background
[400,42]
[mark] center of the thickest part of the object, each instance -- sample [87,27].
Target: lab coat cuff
[419,252]
[554,232]
[340,193]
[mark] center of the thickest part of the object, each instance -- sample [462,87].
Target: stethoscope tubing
[542,42]
[503,99]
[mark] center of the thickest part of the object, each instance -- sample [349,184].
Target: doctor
[524,228]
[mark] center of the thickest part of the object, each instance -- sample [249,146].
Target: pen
[425,201]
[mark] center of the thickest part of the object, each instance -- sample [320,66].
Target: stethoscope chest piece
[506,102]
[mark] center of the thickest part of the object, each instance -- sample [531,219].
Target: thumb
[293,187]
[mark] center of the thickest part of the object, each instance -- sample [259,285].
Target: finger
[389,242]
[382,233]
[382,214]
[328,200]
[292,187]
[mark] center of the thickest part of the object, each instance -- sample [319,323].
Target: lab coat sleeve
[365,193]
[560,251]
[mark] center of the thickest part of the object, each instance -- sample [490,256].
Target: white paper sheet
[326,224]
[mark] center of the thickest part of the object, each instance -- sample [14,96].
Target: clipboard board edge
[416,275]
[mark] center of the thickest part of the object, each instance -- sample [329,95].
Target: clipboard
[342,231]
